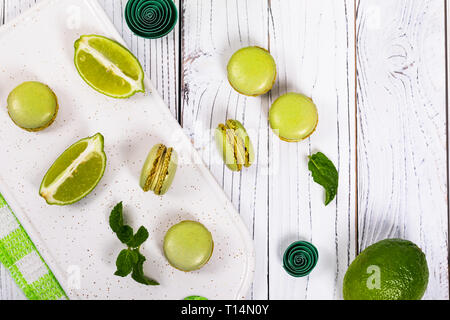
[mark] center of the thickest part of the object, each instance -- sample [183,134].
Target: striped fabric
[19,255]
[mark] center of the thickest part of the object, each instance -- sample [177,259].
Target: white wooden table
[376,69]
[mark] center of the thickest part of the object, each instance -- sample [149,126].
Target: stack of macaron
[159,169]
[234,145]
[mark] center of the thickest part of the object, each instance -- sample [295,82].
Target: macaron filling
[32,106]
[152,165]
[232,140]
[241,149]
[164,171]
[235,145]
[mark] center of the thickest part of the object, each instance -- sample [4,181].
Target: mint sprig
[324,173]
[130,260]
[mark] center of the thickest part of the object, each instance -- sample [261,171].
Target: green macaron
[234,145]
[188,246]
[252,71]
[159,169]
[293,117]
[32,106]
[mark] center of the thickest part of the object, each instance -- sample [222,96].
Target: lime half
[75,173]
[108,67]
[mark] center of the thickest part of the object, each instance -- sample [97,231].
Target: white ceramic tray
[39,46]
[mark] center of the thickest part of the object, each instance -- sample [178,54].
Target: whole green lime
[392,269]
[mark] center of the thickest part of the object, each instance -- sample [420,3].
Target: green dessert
[234,145]
[159,169]
[188,246]
[252,71]
[391,269]
[75,173]
[293,117]
[32,106]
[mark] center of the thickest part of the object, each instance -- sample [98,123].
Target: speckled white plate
[76,240]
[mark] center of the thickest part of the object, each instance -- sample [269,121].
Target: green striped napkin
[19,255]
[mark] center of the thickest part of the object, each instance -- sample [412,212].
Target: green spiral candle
[300,259]
[151,19]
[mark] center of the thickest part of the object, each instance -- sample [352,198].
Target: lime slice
[108,67]
[75,173]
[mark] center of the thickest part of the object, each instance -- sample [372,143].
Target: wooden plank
[277,199]
[313,45]
[2,11]
[402,156]
[212,31]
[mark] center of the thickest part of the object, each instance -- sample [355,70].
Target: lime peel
[95,146]
[82,45]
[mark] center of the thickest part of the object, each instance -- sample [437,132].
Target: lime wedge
[75,173]
[108,67]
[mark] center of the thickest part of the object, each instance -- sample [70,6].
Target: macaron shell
[32,106]
[293,117]
[188,246]
[226,149]
[244,140]
[252,71]
[148,172]
[168,171]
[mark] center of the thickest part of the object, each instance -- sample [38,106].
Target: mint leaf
[124,263]
[138,272]
[129,260]
[324,173]
[116,217]
[139,238]
[125,234]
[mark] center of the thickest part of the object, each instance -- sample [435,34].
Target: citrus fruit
[108,67]
[391,269]
[75,173]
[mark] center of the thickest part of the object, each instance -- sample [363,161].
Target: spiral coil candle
[300,259]
[151,19]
